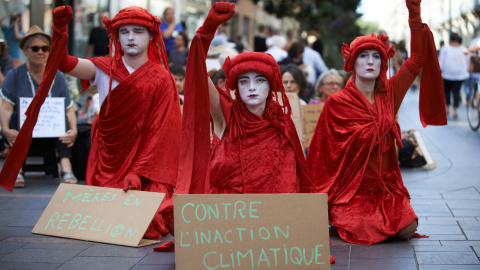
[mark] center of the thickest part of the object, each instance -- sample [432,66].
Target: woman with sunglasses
[23,81]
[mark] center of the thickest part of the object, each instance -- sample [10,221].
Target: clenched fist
[62,15]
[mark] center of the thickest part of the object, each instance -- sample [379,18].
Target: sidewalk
[446,200]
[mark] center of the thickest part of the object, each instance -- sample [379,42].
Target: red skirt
[376,212]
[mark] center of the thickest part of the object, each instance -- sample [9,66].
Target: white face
[253,88]
[39,57]
[134,39]
[367,65]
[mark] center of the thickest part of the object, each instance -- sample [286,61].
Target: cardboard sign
[297,113]
[107,215]
[310,119]
[51,119]
[251,231]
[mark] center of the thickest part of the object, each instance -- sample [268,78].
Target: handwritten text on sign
[99,214]
[252,231]
[51,119]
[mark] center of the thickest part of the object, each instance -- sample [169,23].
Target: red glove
[415,62]
[132,181]
[219,13]
[62,15]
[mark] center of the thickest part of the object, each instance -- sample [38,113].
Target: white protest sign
[51,119]
[107,215]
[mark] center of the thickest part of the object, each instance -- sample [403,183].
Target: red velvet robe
[352,141]
[268,159]
[137,131]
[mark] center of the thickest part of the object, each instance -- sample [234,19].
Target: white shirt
[277,53]
[314,59]
[453,63]
[102,81]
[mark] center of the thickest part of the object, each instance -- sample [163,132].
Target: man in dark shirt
[98,39]
[260,43]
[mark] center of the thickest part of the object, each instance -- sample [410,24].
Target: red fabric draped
[140,134]
[432,108]
[353,159]
[269,149]
[19,150]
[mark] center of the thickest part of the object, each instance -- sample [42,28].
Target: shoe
[69,178]
[20,182]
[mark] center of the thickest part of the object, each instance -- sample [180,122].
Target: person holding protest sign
[353,155]
[24,81]
[255,146]
[135,139]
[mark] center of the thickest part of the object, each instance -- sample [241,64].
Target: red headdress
[262,63]
[372,42]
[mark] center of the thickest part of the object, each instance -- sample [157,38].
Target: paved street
[446,199]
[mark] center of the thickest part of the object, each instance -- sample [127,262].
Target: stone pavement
[446,199]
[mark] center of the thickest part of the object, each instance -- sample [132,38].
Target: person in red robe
[255,146]
[352,156]
[136,137]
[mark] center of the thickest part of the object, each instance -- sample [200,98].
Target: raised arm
[412,66]
[218,14]
[77,67]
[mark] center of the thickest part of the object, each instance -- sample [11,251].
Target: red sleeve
[400,83]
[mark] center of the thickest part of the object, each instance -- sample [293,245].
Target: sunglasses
[37,48]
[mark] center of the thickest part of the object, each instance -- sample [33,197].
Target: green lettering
[129,232]
[226,240]
[113,197]
[128,199]
[204,236]
[83,222]
[204,212]
[221,262]
[219,236]
[305,257]
[181,240]
[105,196]
[215,212]
[277,229]
[51,220]
[260,233]
[86,196]
[297,259]
[253,209]
[249,252]
[239,210]
[205,263]
[318,254]
[138,201]
[226,209]
[62,220]
[183,212]
[95,198]
[71,196]
[263,258]
[75,219]
[240,233]
[275,253]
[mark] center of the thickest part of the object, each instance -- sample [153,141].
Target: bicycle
[473,107]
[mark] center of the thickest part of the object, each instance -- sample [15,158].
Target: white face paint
[134,39]
[367,65]
[253,88]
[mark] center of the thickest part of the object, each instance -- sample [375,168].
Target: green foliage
[335,20]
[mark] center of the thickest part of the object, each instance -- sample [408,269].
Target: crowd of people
[238,135]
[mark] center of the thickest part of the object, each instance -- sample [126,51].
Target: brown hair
[3,49]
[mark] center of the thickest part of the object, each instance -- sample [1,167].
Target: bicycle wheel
[473,109]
